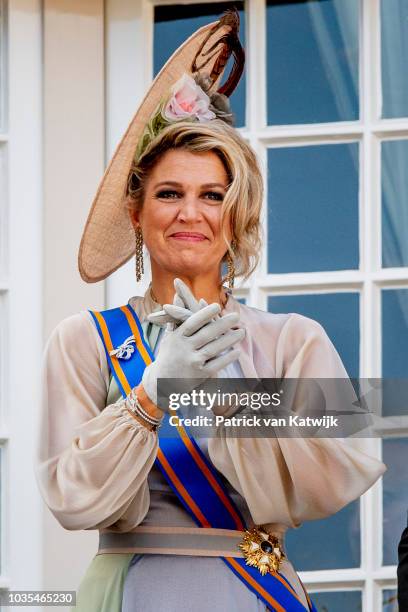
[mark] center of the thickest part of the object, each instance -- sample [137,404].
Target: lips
[188,236]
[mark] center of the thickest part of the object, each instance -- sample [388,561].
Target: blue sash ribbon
[187,470]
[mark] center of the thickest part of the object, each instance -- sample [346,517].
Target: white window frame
[20,294]
[368,281]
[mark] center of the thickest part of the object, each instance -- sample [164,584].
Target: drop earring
[230,267]
[139,253]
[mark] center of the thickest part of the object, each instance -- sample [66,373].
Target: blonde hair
[243,199]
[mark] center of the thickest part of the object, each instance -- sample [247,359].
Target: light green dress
[101,588]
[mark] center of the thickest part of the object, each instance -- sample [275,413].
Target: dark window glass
[394,183]
[337,601]
[389,603]
[341,536]
[339,315]
[394,58]
[313,208]
[312,61]
[395,351]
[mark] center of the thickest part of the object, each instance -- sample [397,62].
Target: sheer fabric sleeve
[92,461]
[291,480]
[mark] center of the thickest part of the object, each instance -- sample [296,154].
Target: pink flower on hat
[188,100]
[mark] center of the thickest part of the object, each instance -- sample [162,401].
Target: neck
[204,286]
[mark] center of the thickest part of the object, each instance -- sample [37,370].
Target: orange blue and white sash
[187,470]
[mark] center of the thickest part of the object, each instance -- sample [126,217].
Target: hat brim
[108,239]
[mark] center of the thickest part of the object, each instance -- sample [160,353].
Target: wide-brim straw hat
[108,240]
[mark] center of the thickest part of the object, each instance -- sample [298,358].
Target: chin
[189,266]
[188,269]
[185,262]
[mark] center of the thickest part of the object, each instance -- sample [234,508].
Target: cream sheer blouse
[93,460]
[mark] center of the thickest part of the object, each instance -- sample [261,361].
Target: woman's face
[181,213]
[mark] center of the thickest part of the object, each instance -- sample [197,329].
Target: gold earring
[139,253]
[230,268]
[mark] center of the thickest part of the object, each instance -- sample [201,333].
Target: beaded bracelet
[133,404]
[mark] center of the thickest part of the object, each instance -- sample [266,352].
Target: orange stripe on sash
[110,347]
[183,434]
[204,468]
[276,606]
[181,489]
[136,334]
[186,440]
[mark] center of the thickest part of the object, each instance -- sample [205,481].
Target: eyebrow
[205,186]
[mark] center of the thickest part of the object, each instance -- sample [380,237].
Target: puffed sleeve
[92,461]
[291,480]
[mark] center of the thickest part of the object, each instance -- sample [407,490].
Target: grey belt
[197,541]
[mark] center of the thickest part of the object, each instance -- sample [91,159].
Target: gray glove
[192,350]
[184,305]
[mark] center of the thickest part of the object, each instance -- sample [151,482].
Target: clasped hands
[197,344]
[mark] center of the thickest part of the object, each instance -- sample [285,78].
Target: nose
[189,210]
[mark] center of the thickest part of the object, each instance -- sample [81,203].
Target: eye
[167,194]
[214,195]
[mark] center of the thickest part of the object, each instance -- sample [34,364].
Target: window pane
[312,65]
[173,24]
[340,534]
[339,315]
[389,601]
[337,601]
[395,496]
[3,352]
[394,58]
[1,509]
[394,351]
[3,212]
[394,157]
[3,65]
[313,208]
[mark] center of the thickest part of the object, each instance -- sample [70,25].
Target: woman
[193,197]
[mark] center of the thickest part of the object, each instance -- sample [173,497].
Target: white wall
[128,73]
[74,141]
[21,515]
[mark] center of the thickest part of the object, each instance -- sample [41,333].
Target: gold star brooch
[262,550]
